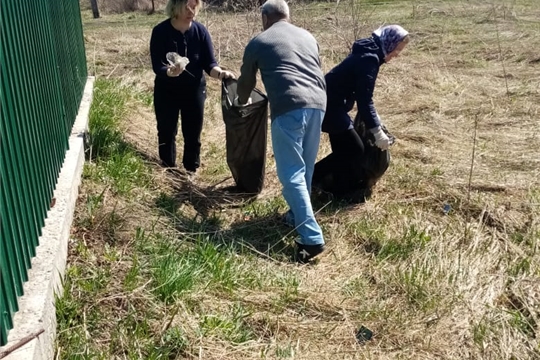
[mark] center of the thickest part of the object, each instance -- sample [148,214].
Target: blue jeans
[295,140]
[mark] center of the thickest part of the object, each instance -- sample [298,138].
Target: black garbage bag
[245,134]
[375,161]
[362,174]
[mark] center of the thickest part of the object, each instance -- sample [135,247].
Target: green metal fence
[42,78]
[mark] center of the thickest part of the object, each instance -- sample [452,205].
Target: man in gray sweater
[288,58]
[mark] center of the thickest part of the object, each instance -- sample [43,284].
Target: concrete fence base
[35,322]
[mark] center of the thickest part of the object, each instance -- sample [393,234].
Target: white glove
[381,139]
[237,104]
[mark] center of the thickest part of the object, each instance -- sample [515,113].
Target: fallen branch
[25,340]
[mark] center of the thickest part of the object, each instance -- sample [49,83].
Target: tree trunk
[153,10]
[95,10]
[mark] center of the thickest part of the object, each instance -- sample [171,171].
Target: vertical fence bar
[38,106]
[7,277]
[42,161]
[21,210]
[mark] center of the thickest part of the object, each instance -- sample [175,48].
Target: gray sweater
[288,58]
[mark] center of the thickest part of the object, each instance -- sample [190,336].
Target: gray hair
[275,8]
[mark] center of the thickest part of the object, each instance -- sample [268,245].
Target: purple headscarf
[390,36]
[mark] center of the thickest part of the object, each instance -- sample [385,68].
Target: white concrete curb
[36,308]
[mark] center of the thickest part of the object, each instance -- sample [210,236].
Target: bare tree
[95,10]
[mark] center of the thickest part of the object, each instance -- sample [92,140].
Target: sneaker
[304,253]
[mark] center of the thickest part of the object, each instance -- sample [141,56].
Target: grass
[442,261]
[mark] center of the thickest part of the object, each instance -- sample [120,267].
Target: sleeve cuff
[376,129]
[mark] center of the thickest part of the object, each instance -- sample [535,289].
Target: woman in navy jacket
[353,80]
[178,90]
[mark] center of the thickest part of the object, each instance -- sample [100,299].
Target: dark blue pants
[343,164]
[171,101]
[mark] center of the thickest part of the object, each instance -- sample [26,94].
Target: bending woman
[353,80]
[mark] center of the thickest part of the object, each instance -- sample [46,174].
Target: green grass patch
[227,325]
[74,324]
[202,265]
[108,108]
[115,162]
[401,248]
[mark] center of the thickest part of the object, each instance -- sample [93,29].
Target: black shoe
[304,253]
[175,171]
[167,165]
[358,196]
[191,168]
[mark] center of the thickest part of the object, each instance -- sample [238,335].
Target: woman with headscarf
[353,80]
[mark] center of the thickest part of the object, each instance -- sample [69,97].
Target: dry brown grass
[107,7]
[430,284]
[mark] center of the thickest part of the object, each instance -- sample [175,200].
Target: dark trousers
[344,164]
[170,101]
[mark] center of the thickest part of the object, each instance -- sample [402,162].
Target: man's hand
[237,104]
[382,141]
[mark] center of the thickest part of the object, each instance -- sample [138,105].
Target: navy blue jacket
[196,41]
[353,80]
